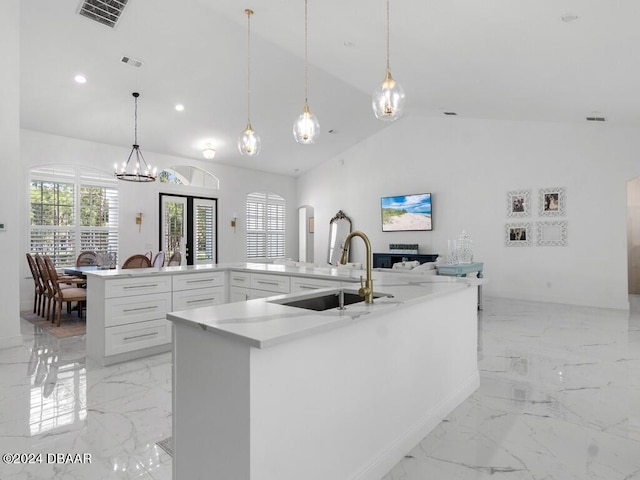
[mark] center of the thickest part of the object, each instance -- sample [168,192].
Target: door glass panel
[204,226]
[174,214]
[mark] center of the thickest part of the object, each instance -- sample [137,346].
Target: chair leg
[35,302]
[58,313]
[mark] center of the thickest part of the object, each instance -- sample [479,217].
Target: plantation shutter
[265,225]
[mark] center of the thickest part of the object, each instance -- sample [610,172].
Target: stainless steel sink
[326,301]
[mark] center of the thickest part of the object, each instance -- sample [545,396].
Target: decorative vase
[464,248]
[452,252]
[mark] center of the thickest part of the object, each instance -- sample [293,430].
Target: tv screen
[406,213]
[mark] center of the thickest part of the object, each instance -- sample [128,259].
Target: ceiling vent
[131,61]
[105,12]
[596,119]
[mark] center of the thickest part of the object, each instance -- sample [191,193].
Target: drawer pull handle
[308,287]
[239,279]
[146,285]
[201,300]
[140,336]
[263,282]
[140,308]
[201,281]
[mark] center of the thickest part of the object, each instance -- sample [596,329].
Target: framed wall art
[517,234]
[518,203]
[551,202]
[551,234]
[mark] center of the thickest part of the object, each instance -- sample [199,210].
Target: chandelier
[135,169]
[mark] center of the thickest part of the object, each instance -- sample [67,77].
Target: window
[265,225]
[72,210]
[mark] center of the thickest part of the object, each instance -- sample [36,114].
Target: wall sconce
[234,221]
[139,221]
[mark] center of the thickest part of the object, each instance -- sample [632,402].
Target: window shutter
[265,225]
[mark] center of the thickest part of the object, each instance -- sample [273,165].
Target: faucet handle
[361,282]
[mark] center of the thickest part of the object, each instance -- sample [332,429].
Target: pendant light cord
[249,12]
[135,117]
[388,36]
[305,53]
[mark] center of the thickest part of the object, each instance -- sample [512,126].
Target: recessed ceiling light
[568,18]
[179,107]
[80,79]
[349,44]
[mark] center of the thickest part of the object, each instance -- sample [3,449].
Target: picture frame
[518,234]
[551,202]
[552,233]
[518,203]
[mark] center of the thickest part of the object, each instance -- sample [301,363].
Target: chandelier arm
[249,12]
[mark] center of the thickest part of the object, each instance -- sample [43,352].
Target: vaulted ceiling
[496,59]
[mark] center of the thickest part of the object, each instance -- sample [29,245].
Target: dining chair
[137,261]
[39,287]
[87,258]
[175,259]
[158,260]
[149,255]
[62,295]
[48,288]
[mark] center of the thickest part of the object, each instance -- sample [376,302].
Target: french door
[188,225]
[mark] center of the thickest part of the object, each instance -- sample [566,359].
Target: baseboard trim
[10,342]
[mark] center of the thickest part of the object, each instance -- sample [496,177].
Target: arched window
[189,175]
[265,226]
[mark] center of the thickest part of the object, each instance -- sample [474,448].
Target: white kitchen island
[264,391]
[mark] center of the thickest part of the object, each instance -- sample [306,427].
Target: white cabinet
[126,317]
[198,290]
[247,286]
[302,284]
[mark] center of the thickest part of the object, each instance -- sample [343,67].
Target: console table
[386,260]
[461,270]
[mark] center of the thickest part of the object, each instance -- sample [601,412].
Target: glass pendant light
[138,170]
[388,99]
[306,129]
[249,141]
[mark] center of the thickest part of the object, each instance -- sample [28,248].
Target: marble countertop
[262,323]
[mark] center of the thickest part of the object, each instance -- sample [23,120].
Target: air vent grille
[131,61]
[596,119]
[106,12]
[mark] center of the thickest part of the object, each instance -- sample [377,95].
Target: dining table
[81,270]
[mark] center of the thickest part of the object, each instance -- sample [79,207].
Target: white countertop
[262,323]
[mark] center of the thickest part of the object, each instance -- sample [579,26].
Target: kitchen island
[266,391]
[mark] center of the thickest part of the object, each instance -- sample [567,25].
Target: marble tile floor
[559,400]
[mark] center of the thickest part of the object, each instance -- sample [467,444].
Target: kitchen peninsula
[264,390]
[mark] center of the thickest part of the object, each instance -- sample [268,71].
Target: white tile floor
[559,400]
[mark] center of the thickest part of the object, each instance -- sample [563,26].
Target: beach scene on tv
[406,212]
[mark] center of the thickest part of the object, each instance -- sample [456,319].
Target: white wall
[9,159]
[39,148]
[469,166]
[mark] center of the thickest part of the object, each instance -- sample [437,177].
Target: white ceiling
[499,59]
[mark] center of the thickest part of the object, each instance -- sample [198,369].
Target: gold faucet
[365,290]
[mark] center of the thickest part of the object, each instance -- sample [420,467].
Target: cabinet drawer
[124,287]
[202,297]
[240,279]
[128,338]
[198,280]
[124,310]
[271,283]
[300,284]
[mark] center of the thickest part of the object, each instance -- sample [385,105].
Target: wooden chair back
[158,260]
[87,258]
[137,261]
[175,259]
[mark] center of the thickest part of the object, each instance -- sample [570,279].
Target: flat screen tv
[406,213]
